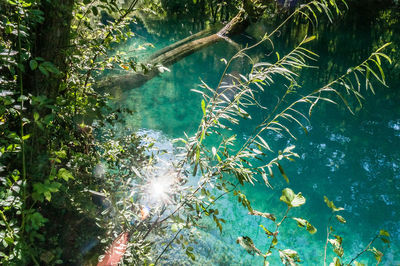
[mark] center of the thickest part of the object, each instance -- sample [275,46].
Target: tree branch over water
[250,12]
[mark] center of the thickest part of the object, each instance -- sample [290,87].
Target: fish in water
[229,86]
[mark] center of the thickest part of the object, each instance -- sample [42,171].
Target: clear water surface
[352,159]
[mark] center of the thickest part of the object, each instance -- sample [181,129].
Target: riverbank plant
[248,161]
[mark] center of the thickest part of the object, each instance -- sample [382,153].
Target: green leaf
[336,262]
[203,106]
[62,154]
[65,174]
[378,254]
[174,227]
[266,230]
[341,219]
[44,190]
[36,220]
[300,222]
[47,195]
[304,223]
[283,173]
[331,205]
[311,229]
[337,246]
[309,39]
[8,29]
[274,241]
[43,70]
[291,199]
[190,255]
[384,233]
[52,187]
[265,144]
[287,196]
[36,116]
[50,67]
[33,64]
[289,257]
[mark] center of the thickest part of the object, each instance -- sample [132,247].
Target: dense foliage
[49,51]
[71,183]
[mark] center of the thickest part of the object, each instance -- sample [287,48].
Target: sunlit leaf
[304,223]
[289,257]
[283,173]
[331,205]
[266,230]
[336,262]
[311,229]
[341,219]
[378,254]
[337,246]
[309,39]
[174,227]
[384,233]
[291,199]
[300,222]
[65,174]
[203,106]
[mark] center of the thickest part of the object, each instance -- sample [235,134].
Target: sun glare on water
[159,188]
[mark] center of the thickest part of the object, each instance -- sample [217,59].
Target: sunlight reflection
[159,188]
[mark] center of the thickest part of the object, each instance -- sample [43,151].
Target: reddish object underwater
[116,251]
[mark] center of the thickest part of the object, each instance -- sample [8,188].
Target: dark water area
[354,160]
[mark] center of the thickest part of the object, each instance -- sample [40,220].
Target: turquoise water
[352,159]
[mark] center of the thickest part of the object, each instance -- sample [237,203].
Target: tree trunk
[183,48]
[53,37]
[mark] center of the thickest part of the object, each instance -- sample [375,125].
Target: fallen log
[251,11]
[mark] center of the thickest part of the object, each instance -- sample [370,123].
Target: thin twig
[275,234]
[328,232]
[167,246]
[220,196]
[366,248]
